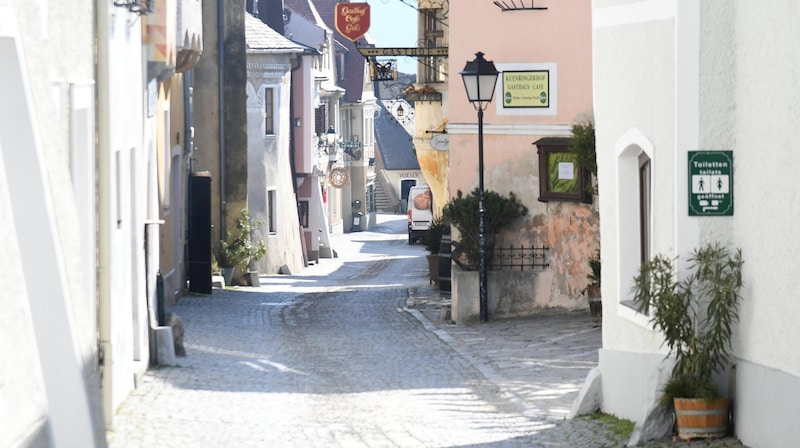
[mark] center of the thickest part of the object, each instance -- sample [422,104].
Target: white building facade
[50,376]
[671,78]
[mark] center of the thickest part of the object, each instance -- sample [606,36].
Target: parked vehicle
[420,212]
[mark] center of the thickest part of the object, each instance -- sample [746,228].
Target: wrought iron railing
[511,258]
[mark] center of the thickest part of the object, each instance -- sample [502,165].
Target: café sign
[352,19]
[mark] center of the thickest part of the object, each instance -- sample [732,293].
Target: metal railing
[512,258]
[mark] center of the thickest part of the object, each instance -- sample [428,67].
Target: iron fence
[512,258]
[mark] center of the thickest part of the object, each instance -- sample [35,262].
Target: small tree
[696,314]
[463,212]
[583,145]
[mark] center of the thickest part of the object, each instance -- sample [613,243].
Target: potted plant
[432,240]
[238,249]
[593,290]
[462,211]
[697,316]
[582,144]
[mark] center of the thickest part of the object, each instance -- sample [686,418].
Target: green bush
[463,212]
[432,239]
[238,249]
[696,314]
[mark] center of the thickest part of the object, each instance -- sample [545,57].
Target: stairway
[382,201]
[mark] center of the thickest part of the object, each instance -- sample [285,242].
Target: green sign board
[710,183]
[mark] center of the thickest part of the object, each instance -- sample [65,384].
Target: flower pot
[595,305]
[699,418]
[227,274]
[433,268]
[252,279]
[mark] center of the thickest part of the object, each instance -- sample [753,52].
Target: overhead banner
[352,19]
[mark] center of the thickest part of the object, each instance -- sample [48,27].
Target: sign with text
[404,51]
[710,183]
[526,89]
[352,20]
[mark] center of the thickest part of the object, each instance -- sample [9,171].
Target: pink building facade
[544,86]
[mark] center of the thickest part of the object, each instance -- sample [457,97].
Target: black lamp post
[480,78]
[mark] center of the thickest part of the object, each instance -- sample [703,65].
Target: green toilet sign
[710,183]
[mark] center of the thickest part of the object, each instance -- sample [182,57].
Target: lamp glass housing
[480,79]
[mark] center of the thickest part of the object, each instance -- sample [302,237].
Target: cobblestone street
[352,353]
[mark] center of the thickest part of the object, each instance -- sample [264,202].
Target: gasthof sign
[710,183]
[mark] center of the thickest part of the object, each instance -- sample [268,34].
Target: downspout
[188,146]
[221,113]
[292,143]
[188,116]
[103,162]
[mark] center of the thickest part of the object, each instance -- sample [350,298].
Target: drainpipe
[292,140]
[188,116]
[104,157]
[221,113]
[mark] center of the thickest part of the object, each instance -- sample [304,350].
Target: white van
[420,212]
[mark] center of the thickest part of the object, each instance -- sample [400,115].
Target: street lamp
[480,78]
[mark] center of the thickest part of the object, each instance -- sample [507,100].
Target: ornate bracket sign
[339,177]
[352,19]
[386,71]
[404,51]
[441,142]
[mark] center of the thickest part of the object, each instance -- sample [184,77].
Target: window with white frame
[634,198]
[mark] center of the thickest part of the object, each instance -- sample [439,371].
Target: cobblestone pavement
[353,352]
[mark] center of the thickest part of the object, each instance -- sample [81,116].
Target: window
[645,206]
[560,176]
[434,68]
[302,211]
[272,209]
[321,119]
[371,207]
[633,189]
[269,111]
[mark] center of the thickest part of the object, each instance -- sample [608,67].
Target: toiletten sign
[526,89]
[352,20]
[710,183]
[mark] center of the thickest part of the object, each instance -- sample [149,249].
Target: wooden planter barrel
[698,418]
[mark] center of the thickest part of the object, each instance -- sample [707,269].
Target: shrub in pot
[463,212]
[697,316]
[237,250]
[593,289]
[432,240]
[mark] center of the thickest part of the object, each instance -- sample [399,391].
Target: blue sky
[393,23]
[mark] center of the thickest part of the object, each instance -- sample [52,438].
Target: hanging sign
[710,183]
[441,142]
[352,19]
